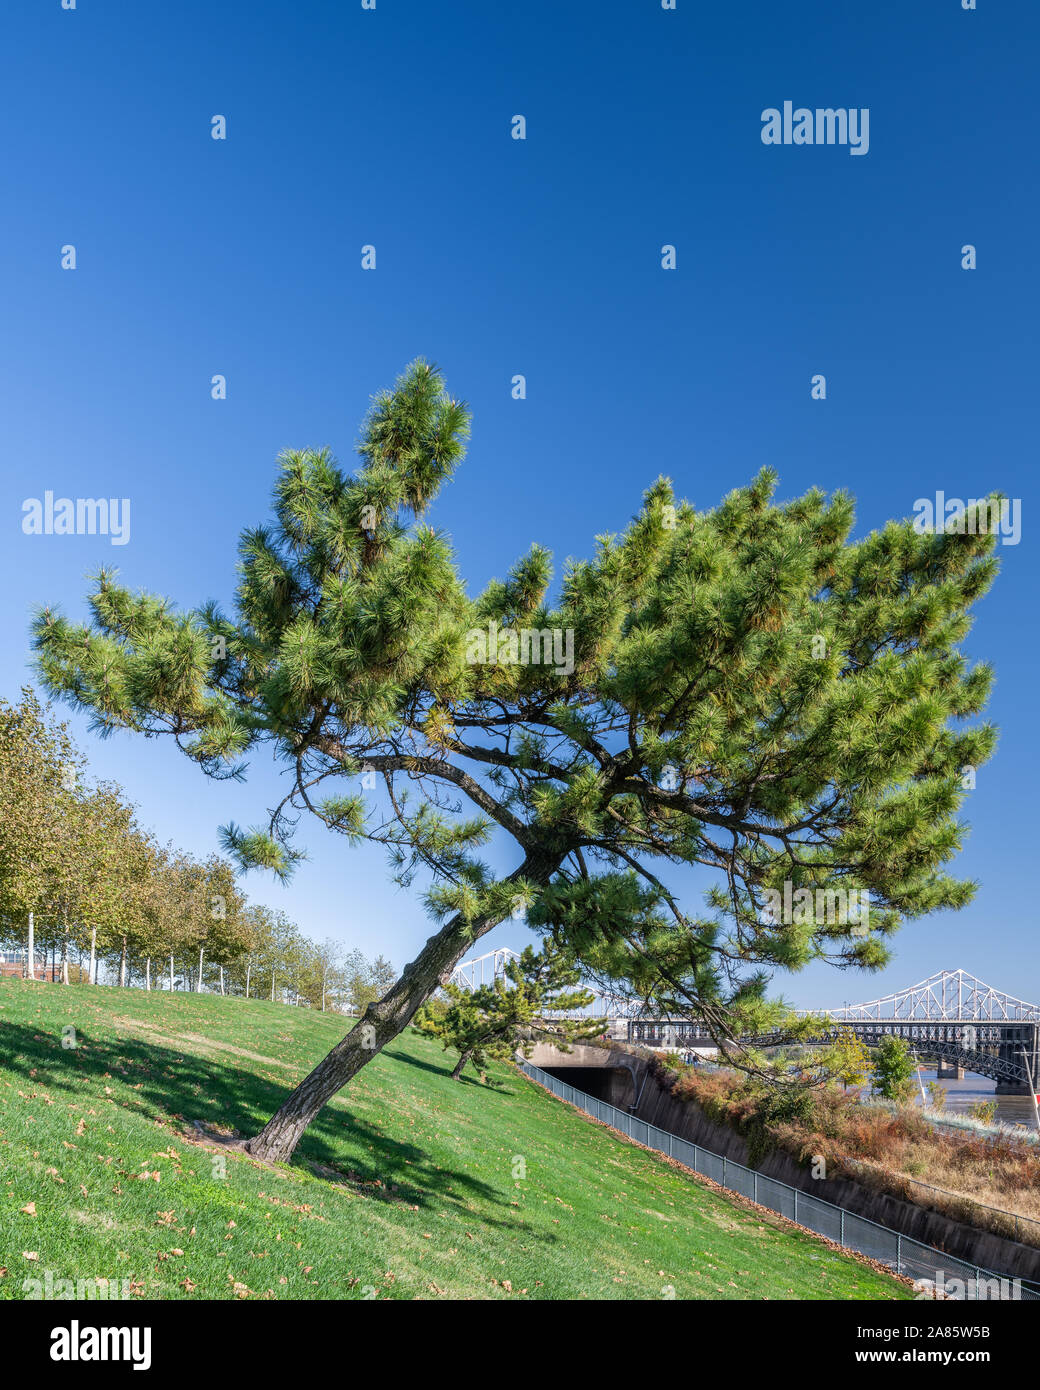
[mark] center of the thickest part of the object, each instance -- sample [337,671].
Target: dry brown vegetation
[897,1152]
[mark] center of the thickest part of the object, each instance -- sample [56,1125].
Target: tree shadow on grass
[162,1082]
[494,1086]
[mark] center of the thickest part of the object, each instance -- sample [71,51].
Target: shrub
[937,1095]
[984,1110]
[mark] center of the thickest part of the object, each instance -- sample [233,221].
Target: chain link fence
[954,1277]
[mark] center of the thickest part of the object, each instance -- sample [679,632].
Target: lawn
[409,1185]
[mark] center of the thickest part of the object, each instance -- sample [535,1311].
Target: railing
[909,1257]
[1022,1226]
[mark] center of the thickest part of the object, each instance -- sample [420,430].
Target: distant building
[15,963]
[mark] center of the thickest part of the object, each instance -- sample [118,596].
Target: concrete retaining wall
[632,1077]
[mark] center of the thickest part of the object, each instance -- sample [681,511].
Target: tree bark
[147,973]
[93,951]
[381,1022]
[222,979]
[457,1073]
[65,954]
[198,982]
[30,962]
[122,964]
[249,967]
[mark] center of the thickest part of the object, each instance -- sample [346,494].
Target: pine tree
[745,690]
[525,1004]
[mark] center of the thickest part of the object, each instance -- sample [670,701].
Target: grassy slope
[424,1204]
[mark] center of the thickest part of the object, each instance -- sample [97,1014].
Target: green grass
[439,1189]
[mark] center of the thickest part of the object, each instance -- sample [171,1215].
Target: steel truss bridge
[957,1019]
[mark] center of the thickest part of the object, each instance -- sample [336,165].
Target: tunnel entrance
[615,1085]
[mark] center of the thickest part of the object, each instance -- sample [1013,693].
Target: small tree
[936,1095]
[893,1069]
[322,979]
[519,1008]
[382,975]
[847,1059]
[362,988]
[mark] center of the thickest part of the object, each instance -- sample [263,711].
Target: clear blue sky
[542,257]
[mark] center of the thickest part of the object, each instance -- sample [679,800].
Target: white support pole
[1032,1086]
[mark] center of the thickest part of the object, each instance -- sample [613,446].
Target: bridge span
[965,1024]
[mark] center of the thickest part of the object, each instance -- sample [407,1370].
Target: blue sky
[495,257]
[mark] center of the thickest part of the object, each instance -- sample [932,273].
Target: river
[961,1094]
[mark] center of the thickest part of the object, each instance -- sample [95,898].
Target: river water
[961,1094]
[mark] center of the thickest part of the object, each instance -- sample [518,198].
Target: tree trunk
[324,975]
[249,967]
[147,973]
[171,972]
[198,982]
[222,979]
[65,954]
[272,986]
[122,964]
[381,1022]
[457,1073]
[30,961]
[93,953]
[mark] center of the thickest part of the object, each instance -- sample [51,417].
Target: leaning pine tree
[745,690]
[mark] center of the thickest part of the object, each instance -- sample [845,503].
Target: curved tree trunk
[381,1022]
[463,1059]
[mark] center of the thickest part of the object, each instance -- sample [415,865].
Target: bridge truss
[947,996]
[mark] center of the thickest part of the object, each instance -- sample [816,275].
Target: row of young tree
[81,880]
